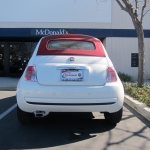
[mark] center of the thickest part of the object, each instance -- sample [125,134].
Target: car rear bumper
[33,97]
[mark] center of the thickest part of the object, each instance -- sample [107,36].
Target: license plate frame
[71,75]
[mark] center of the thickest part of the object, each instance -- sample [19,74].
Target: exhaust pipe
[40,114]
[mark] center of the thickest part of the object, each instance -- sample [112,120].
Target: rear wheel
[113,118]
[24,117]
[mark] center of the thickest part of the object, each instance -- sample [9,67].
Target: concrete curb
[138,106]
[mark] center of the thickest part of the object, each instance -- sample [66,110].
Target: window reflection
[20,54]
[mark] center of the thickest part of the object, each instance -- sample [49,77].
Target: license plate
[71,75]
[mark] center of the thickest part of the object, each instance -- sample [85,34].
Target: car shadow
[56,129]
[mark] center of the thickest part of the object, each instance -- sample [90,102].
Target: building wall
[120,49]
[119,20]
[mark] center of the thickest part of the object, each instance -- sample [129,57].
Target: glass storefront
[18,55]
[15,58]
[1,58]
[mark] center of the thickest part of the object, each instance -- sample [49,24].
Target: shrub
[140,93]
[124,77]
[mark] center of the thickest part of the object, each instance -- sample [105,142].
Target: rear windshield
[71,44]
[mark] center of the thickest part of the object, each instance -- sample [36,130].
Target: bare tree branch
[143,7]
[121,5]
[129,7]
[136,8]
[146,12]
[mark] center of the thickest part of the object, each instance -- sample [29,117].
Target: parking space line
[7,111]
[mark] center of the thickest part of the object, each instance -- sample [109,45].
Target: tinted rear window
[71,45]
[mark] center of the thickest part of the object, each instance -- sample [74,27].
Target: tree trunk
[141,50]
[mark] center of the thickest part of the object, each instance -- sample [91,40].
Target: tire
[113,118]
[24,117]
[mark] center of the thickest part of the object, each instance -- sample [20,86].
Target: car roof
[72,36]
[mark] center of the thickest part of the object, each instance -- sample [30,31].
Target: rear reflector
[111,75]
[30,74]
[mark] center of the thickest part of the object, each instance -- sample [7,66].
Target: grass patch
[141,94]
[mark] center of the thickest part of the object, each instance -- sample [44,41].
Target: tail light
[30,74]
[111,75]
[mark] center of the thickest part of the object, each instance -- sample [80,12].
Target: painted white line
[7,111]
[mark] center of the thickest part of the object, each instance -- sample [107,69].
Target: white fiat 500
[69,73]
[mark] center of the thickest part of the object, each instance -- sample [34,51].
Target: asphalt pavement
[71,131]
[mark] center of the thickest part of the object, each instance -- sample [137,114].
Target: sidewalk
[10,84]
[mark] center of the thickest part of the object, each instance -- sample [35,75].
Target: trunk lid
[71,70]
